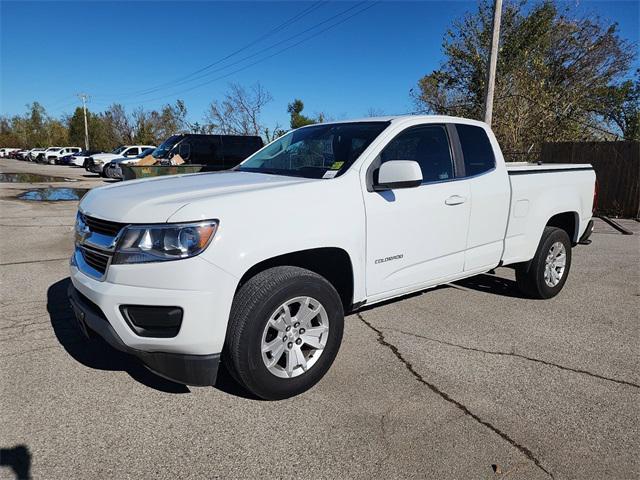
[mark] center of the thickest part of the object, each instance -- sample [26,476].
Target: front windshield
[319,151]
[166,146]
[119,150]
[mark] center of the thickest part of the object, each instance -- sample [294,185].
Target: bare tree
[119,123]
[375,112]
[239,112]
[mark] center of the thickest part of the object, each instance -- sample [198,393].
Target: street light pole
[493,61]
[84,96]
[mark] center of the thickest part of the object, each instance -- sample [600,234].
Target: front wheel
[545,275]
[284,332]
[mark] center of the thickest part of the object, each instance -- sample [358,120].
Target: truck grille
[104,227]
[96,260]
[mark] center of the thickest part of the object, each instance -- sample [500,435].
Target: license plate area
[80,318]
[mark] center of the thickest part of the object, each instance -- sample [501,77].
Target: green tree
[37,126]
[8,134]
[75,124]
[297,118]
[550,70]
[172,119]
[620,105]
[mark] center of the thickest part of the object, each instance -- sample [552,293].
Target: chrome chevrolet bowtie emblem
[82,230]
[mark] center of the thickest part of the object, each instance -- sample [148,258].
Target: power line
[371,5]
[274,30]
[255,54]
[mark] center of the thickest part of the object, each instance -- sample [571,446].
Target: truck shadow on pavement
[490,283]
[17,459]
[96,353]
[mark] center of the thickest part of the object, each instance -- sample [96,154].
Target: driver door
[417,236]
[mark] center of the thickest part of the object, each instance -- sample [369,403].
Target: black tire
[252,307]
[530,275]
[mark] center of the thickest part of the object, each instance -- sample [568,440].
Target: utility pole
[493,61]
[84,97]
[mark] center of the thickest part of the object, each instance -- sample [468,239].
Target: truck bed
[538,192]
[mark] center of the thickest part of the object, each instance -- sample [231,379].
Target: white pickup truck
[96,163]
[53,156]
[256,267]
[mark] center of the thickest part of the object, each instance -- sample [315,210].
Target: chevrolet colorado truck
[255,267]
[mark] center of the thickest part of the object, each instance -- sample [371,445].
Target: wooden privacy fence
[617,166]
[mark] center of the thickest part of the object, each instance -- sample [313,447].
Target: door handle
[455,200]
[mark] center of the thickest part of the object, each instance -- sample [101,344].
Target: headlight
[157,243]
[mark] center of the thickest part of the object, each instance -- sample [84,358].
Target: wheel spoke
[276,353]
[299,356]
[272,345]
[286,316]
[291,362]
[278,323]
[312,336]
[306,313]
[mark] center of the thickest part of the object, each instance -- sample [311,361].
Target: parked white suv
[256,266]
[96,163]
[54,155]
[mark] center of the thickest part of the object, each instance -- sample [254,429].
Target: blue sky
[116,50]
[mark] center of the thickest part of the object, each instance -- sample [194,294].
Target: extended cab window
[476,150]
[426,144]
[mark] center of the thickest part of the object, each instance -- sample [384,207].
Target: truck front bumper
[200,370]
[202,292]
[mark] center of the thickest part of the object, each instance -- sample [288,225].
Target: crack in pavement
[35,261]
[524,450]
[37,226]
[524,357]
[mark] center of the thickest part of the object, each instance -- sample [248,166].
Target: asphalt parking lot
[465,381]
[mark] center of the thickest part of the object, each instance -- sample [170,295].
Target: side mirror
[398,174]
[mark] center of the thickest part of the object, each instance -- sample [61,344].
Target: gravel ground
[468,380]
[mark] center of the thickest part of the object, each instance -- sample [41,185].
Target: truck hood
[154,200]
[105,157]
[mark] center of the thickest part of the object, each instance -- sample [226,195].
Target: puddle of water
[32,178]
[53,194]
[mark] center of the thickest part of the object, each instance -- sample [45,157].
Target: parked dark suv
[215,152]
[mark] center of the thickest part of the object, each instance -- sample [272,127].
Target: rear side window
[476,149]
[429,146]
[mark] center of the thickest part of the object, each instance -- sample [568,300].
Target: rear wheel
[284,332]
[545,275]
